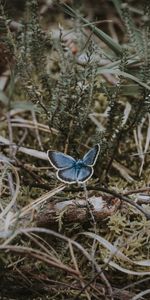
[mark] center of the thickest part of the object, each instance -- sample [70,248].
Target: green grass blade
[99,33]
[124,74]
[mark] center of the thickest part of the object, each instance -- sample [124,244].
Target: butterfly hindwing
[60,160]
[68,175]
[84,174]
[90,157]
[72,175]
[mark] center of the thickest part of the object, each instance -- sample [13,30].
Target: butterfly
[70,170]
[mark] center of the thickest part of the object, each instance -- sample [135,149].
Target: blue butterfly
[70,170]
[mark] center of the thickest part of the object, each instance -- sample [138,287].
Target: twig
[140,190]
[100,189]
[121,197]
[68,136]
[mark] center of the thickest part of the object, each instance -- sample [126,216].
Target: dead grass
[50,246]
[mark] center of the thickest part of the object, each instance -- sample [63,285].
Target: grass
[68,90]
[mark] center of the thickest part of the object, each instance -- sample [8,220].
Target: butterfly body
[79,164]
[70,170]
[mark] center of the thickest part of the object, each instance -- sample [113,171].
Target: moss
[63,94]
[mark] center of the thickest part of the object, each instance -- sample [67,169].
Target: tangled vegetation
[69,81]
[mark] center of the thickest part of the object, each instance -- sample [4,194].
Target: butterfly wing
[71,175]
[68,175]
[90,157]
[84,174]
[68,168]
[60,160]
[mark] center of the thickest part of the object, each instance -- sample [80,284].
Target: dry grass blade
[114,250]
[124,172]
[34,239]
[20,122]
[27,251]
[64,238]
[37,130]
[13,200]
[28,208]
[28,151]
[56,235]
[139,138]
[127,271]
[148,135]
[140,146]
[48,247]
[77,268]
[140,295]
[3,97]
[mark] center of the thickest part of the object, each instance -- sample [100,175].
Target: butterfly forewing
[60,160]
[90,157]
[67,175]
[84,173]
